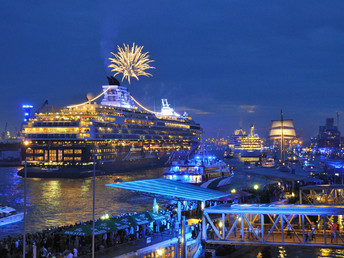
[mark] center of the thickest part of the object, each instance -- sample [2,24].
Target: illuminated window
[77,151]
[52,155]
[59,155]
[68,151]
[77,158]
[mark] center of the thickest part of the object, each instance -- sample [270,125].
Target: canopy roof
[321,187]
[277,209]
[83,230]
[172,189]
[103,226]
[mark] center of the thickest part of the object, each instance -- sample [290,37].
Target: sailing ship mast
[282,138]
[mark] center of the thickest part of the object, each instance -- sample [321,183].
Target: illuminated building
[120,133]
[246,145]
[329,136]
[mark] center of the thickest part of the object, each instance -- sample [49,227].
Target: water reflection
[53,202]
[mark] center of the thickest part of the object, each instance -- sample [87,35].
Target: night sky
[229,64]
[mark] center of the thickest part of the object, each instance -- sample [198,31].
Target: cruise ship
[246,145]
[117,135]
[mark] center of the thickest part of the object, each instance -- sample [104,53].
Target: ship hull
[250,153]
[106,168]
[11,219]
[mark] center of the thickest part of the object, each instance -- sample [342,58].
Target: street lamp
[256,187]
[26,144]
[94,201]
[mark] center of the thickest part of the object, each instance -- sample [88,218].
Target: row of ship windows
[107,136]
[66,151]
[55,124]
[109,125]
[142,132]
[53,152]
[56,136]
[138,137]
[52,158]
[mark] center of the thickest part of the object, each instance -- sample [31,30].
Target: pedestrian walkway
[269,224]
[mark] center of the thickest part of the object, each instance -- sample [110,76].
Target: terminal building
[329,136]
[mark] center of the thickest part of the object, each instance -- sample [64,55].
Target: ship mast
[282,138]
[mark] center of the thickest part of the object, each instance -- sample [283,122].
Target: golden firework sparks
[130,62]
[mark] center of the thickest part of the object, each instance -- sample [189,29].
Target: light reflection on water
[284,251]
[53,202]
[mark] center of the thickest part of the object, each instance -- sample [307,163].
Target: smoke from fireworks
[130,62]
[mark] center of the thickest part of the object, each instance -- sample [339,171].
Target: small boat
[268,163]
[9,215]
[118,180]
[228,154]
[186,173]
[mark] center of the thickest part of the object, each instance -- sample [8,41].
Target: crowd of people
[52,242]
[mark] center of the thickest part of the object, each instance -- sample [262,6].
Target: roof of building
[277,209]
[171,189]
[321,187]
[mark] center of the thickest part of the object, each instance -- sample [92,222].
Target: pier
[265,224]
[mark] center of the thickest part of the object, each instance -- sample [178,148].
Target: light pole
[26,143]
[94,201]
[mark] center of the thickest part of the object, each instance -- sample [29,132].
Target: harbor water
[55,202]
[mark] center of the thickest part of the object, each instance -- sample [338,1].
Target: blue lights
[27,109]
[27,106]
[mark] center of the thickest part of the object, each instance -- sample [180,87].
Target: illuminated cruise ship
[119,134]
[246,145]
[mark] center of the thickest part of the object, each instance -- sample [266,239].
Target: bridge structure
[322,194]
[268,224]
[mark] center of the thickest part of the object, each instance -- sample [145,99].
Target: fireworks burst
[130,62]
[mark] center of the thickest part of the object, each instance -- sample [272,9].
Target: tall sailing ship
[119,134]
[246,145]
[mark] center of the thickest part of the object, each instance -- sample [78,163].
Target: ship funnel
[252,130]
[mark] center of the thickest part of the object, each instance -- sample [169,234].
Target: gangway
[268,224]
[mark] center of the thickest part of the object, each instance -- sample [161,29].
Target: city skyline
[229,65]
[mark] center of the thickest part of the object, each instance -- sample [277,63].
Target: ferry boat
[186,172]
[9,215]
[268,163]
[117,135]
[246,145]
[194,171]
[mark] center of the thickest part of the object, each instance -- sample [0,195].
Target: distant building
[329,136]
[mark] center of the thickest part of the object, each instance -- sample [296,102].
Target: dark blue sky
[227,63]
